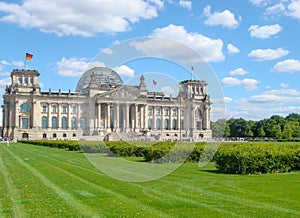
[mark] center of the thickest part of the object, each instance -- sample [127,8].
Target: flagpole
[25,63]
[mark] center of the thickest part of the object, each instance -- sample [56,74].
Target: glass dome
[104,76]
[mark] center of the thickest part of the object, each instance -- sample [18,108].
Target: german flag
[28,56]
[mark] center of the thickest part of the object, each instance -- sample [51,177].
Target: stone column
[162,118]
[145,117]
[69,116]
[108,118]
[49,116]
[117,117]
[153,118]
[58,116]
[136,116]
[127,116]
[99,125]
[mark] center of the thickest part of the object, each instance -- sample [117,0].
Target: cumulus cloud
[185,4]
[264,32]
[267,54]
[225,18]
[284,85]
[72,67]
[260,3]
[232,49]
[287,66]
[209,49]
[227,99]
[275,9]
[294,9]
[124,70]
[248,84]
[238,71]
[84,18]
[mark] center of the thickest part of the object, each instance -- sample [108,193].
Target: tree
[238,127]
[289,129]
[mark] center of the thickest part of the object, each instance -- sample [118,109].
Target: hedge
[248,158]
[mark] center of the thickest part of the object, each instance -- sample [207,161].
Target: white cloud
[264,32]
[275,9]
[124,70]
[227,99]
[12,63]
[248,84]
[185,4]
[232,49]
[225,18]
[168,90]
[260,3]
[72,67]
[85,18]
[267,54]
[209,49]
[238,71]
[284,85]
[107,51]
[287,66]
[294,9]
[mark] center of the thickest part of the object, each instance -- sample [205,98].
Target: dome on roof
[103,76]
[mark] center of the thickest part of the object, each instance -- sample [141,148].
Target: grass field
[47,182]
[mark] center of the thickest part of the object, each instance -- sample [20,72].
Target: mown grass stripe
[18,210]
[67,197]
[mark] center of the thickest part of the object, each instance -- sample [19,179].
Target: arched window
[25,108]
[26,80]
[82,123]
[149,123]
[64,123]
[174,124]
[166,124]
[197,113]
[44,122]
[73,123]
[54,123]
[158,123]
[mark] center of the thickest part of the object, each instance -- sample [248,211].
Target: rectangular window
[74,109]
[25,123]
[54,109]
[198,125]
[174,112]
[158,111]
[44,109]
[166,112]
[150,112]
[64,109]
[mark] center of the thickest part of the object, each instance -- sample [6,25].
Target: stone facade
[103,108]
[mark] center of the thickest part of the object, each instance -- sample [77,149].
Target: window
[44,108]
[74,109]
[64,123]
[31,80]
[54,108]
[83,109]
[25,123]
[166,112]
[198,113]
[64,135]
[44,122]
[158,124]
[198,125]
[149,123]
[26,80]
[74,135]
[73,123]
[20,80]
[25,108]
[150,112]
[174,112]
[64,109]
[54,135]
[44,135]
[82,123]
[158,111]
[54,123]
[174,124]
[166,124]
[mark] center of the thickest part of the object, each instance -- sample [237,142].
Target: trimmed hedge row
[70,145]
[237,158]
[252,158]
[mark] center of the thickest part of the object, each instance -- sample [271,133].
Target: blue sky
[252,46]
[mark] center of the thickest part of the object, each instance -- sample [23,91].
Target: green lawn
[39,181]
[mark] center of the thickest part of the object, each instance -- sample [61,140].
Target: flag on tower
[28,56]
[193,69]
[154,83]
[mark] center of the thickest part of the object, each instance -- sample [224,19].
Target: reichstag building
[104,108]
